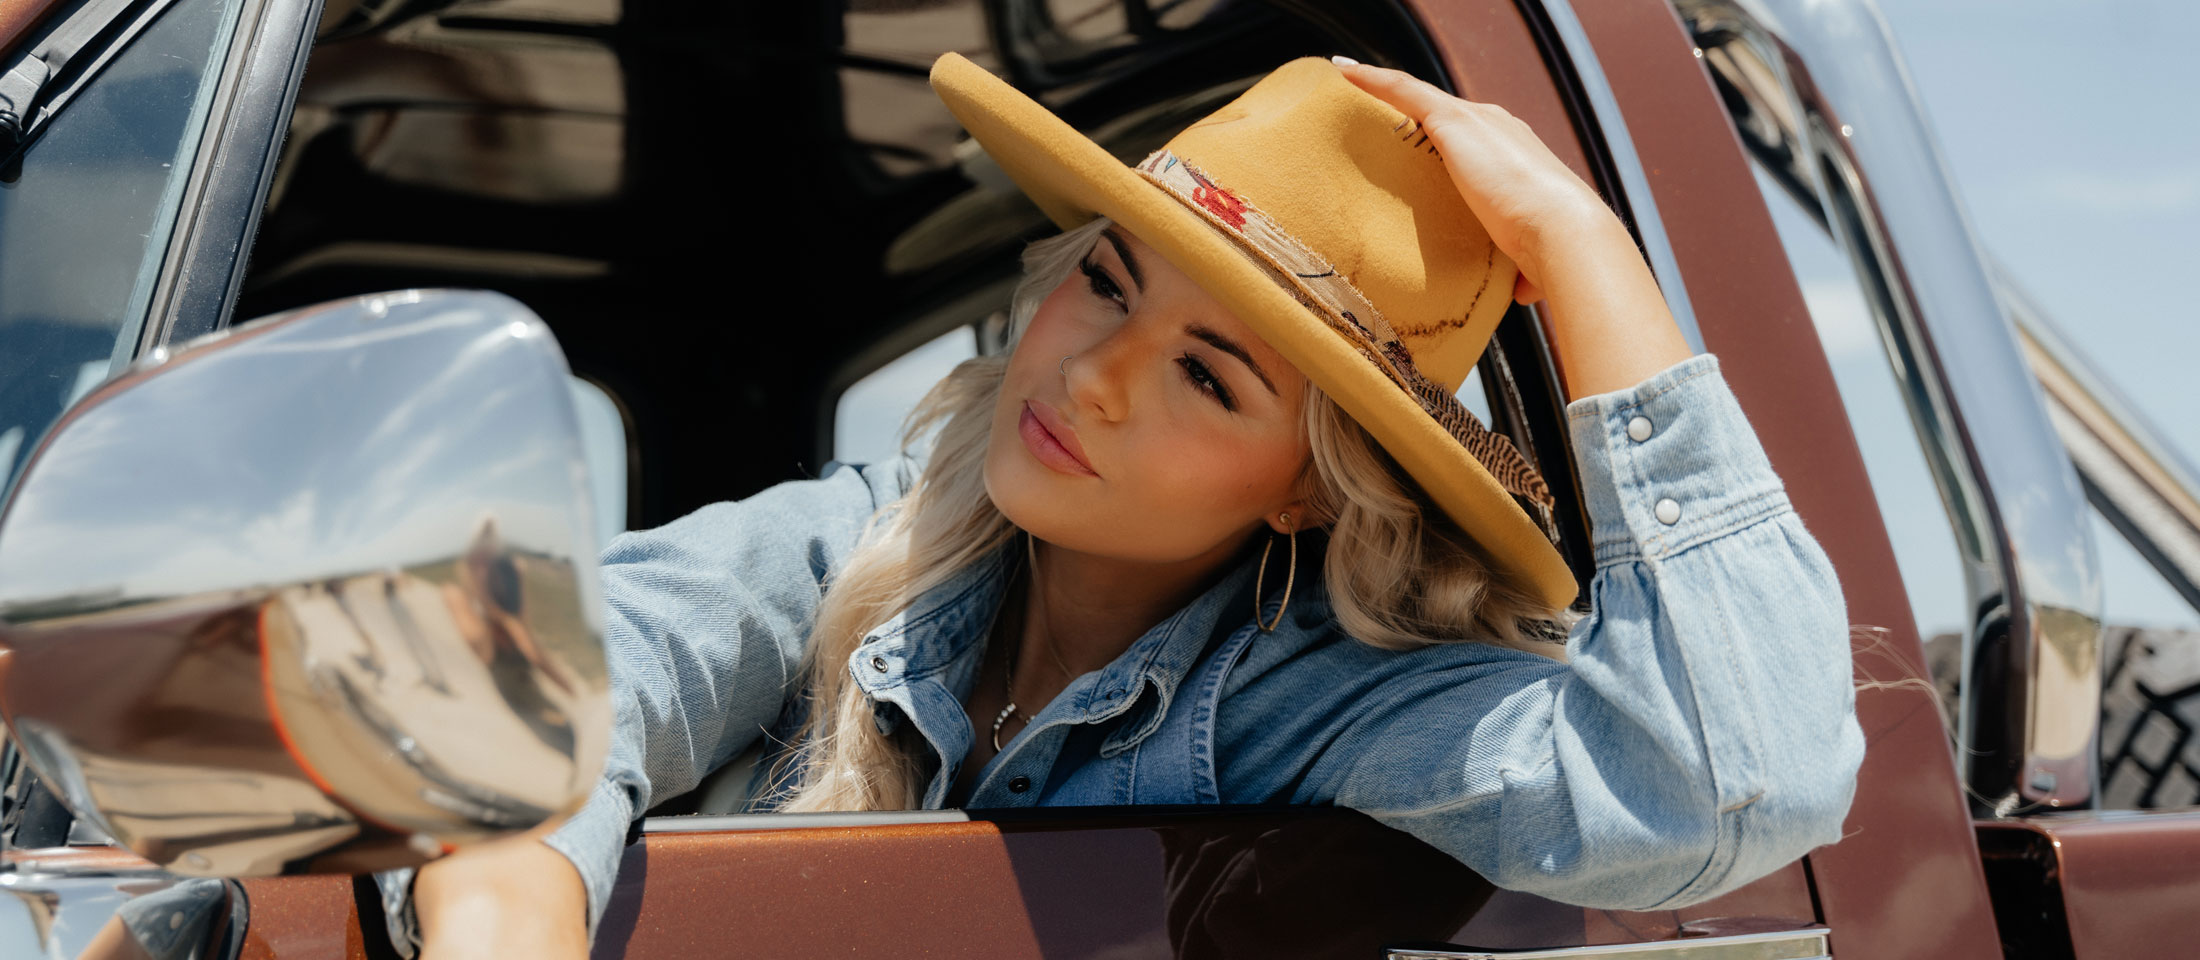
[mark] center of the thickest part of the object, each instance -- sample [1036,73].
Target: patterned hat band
[1332,296]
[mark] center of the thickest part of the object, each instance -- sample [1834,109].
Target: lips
[1052,441]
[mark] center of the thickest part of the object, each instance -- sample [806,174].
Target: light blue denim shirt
[1700,734]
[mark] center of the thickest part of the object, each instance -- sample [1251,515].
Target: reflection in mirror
[86,214]
[314,595]
[1334,887]
[121,915]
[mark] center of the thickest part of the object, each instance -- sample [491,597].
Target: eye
[1203,377]
[1102,285]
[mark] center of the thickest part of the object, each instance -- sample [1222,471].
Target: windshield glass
[85,218]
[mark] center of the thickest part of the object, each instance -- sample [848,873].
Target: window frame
[202,260]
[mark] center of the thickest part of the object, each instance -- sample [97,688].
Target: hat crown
[1361,186]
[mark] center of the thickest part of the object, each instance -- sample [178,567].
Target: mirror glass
[316,594]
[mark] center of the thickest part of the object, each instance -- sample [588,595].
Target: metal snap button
[878,664]
[1638,429]
[1019,784]
[1669,512]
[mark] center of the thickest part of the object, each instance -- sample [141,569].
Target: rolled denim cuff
[594,840]
[1669,463]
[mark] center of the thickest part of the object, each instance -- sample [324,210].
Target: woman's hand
[1610,326]
[512,897]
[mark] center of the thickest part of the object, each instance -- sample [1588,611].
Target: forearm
[1703,730]
[511,897]
[1609,324]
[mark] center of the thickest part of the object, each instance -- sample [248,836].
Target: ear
[1301,517]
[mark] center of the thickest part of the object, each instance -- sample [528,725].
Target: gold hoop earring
[1290,575]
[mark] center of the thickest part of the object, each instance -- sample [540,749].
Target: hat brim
[1072,179]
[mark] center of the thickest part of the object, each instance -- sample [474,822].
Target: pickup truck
[287,600]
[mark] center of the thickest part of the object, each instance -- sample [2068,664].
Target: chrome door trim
[1784,945]
[1634,183]
[1820,94]
[722,822]
[231,171]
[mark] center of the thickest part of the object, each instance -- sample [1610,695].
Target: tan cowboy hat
[1341,197]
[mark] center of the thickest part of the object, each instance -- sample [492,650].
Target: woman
[1216,531]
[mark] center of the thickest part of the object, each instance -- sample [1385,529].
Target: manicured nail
[1344,61]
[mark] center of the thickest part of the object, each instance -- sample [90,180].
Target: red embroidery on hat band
[1333,297]
[1222,203]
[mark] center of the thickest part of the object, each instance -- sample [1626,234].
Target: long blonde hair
[1398,573]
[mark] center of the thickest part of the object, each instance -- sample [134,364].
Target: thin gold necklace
[1031,551]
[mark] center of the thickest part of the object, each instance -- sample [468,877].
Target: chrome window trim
[1636,198]
[1820,94]
[2139,481]
[231,171]
[1783,945]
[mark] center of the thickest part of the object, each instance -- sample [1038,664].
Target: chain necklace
[1010,710]
[1009,685]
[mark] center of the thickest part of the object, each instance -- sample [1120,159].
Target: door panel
[1115,884]
[1066,884]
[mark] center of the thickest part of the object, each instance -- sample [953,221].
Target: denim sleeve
[706,620]
[1702,732]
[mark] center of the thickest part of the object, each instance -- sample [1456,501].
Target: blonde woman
[1216,531]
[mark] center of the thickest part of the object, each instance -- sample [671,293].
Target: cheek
[1213,478]
[1055,319]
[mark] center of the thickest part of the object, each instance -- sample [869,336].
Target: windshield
[85,217]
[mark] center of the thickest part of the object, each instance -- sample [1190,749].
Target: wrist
[1567,236]
[509,897]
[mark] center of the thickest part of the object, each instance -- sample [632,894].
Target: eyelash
[1098,278]
[1196,371]
[1201,377]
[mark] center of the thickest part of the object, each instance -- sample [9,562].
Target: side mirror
[317,594]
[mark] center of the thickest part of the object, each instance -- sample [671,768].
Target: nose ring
[1064,366]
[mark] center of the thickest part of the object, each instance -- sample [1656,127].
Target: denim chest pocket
[1165,745]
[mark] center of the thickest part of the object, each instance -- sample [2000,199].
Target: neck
[1088,609]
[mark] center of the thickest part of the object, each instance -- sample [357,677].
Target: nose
[1104,378]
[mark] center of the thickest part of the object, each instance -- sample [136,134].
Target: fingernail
[1344,61]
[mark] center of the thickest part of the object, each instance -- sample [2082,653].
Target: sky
[2070,131]
[2075,143]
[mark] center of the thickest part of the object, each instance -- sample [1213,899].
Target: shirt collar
[939,638]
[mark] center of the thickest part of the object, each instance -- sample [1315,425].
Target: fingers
[1413,96]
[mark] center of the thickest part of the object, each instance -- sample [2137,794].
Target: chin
[1017,487]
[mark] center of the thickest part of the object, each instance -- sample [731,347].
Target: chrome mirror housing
[316,594]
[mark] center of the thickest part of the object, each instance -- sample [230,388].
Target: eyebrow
[1231,347]
[1138,276]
